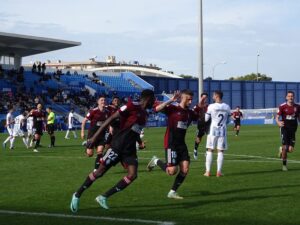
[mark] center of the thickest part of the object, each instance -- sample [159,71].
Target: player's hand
[280,123]
[142,145]
[202,101]
[175,96]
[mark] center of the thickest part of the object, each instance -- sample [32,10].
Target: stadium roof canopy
[25,45]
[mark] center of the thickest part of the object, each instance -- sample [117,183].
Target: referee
[50,126]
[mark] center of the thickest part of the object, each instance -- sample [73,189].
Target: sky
[240,36]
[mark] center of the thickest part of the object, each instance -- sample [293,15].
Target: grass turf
[254,190]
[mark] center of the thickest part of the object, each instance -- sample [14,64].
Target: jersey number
[221,120]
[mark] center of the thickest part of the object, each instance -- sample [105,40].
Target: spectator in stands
[33,70]
[43,68]
[39,67]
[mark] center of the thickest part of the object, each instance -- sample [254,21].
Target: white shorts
[18,133]
[216,142]
[30,132]
[10,131]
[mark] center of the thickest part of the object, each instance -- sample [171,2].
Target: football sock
[7,139]
[67,134]
[196,145]
[121,185]
[220,160]
[284,162]
[52,140]
[37,143]
[178,181]
[97,161]
[12,142]
[25,142]
[209,159]
[87,183]
[74,133]
[162,165]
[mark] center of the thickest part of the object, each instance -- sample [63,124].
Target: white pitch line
[262,157]
[56,215]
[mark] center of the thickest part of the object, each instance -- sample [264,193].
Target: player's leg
[100,149]
[170,158]
[221,146]
[210,146]
[67,134]
[285,138]
[37,138]
[74,133]
[237,130]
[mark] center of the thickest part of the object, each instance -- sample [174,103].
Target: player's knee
[171,171]
[132,177]
[89,152]
[291,149]
[184,171]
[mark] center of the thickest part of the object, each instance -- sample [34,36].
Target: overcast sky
[164,32]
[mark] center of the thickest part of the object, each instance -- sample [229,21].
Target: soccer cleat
[195,154]
[284,168]
[206,174]
[74,203]
[219,174]
[174,195]
[35,150]
[152,163]
[280,152]
[11,148]
[67,138]
[102,201]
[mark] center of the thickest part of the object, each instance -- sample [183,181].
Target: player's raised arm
[163,105]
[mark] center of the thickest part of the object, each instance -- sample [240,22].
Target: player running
[237,115]
[18,130]
[287,119]
[38,119]
[179,119]
[219,113]
[202,127]
[133,117]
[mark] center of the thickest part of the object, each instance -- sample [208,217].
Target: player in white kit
[30,132]
[219,113]
[18,130]
[71,125]
[9,126]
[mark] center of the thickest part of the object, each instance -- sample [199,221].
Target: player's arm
[82,127]
[50,117]
[163,105]
[208,114]
[104,125]
[279,123]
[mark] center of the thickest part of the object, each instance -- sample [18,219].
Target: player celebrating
[237,115]
[289,113]
[71,125]
[201,125]
[38,119]
[9,126]
[97,116]
[133,117]
[179,119]
[219,113]
[19,124]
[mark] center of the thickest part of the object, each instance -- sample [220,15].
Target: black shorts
[202,128]
[288,136]
[112,157]
[38,130]
[100,140]
[176,155]
[237,123]
[50,128]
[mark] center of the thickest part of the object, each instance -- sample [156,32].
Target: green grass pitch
[254,190]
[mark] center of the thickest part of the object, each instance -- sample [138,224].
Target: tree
[252,76]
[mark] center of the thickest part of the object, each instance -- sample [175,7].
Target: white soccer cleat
[284,168]
[102,201]
[152,163]
[174,195]
[35,150]
[206,174]
[74,203]
[195,154]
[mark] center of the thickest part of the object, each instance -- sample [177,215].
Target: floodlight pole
[200,51]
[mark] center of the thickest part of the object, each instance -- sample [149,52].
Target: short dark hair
[187,92]
[204,93]
[147,93]
[290,92]
[219,93]
[50,108]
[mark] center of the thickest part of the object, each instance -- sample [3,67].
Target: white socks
[209,159]
[220,161]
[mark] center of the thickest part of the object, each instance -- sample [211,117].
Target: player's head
[147,96]
[290,96]
[116,101]
[204,95]
[49,109]
[186,97]
[101,101]
[237,108]
[39,107]
[218,95]
[72,110]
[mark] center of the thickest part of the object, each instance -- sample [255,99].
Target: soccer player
[219,113]
[30,132]
[71,125]
[133,117]
[201,125]
[97,116]
[179,119]
[50,126]
[18,130]
[38,118]
[237,115]
[9,126]
[115,125]
[287,119]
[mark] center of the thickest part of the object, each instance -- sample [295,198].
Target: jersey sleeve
[208,113]
[89,116]
[279,111]
[125,109]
